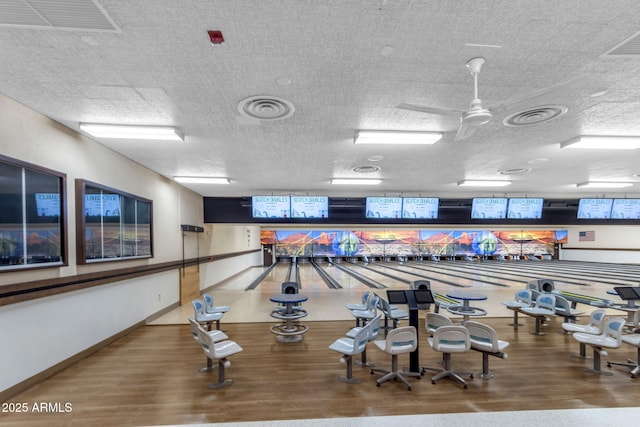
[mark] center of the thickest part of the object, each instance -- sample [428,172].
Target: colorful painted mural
[348,243]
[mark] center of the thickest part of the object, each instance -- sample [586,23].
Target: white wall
[40,333]
[621,257]
[612,243]
[606,237]
[229,239]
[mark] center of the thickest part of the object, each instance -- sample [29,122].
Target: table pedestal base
[289,332]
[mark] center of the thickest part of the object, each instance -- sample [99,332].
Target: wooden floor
[150,377]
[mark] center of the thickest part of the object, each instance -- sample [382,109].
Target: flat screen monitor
[383,207]
[489,208]
[423,296]
[420,207]
[626,292]
[48,204]
[309,207]
[102,205]
[525,208]
[594,208]
[396,297]
[271,206]
[625,209]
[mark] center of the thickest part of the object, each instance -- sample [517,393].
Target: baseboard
[12,391]
[227,279]
[162,312]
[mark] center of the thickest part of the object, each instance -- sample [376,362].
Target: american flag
[586,236]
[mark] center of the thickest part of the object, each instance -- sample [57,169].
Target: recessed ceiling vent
[55,14]
[516,171]
[535,115]
[366,169]
[263,107]
[629,47]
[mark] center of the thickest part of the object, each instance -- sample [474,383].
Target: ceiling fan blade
[466,129]
[531,99]
[430,110]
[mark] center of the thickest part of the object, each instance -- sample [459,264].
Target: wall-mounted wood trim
[14,293]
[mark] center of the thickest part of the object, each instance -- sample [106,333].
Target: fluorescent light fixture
[347,181]
[596,184]
[164,133]
[482,183]
[603,142]
[201,180]
[396,137]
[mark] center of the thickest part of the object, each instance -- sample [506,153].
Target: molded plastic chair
[373,328]
[594,327]
[632,339]
[522,299]
[210,307]
[363,304]
[203,317]
[545,307]
[485,339]
[402,340]
[362,316]
[434,320]
[215,336]
[563,308]
[447,340]
[219,351]
[391,313]
[611,337]
[350,347]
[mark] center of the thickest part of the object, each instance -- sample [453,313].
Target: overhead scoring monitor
[420,207]
[594,208]
[271,206]
[525,208]
[309,207]
[489,208]
[625,209]
[383,207]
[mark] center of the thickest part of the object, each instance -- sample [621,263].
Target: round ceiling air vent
[263,107]
[515,171]
[535,115]
[366,169]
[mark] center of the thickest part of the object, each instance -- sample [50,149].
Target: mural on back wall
[348,243]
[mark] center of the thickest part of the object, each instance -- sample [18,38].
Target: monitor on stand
[423,296]
[396,297]
[627,293]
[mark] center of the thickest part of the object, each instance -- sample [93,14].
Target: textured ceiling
[344,65]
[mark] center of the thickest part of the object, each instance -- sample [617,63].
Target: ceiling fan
[476,116]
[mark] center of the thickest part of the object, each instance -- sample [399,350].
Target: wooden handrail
[25,291]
